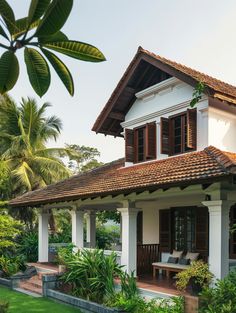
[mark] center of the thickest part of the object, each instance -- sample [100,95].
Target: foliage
[11,265]
[106,236]
[221,298]
[5,183]
[41,29]
[91,274]
[139,305]
[28,245]
[84,159]
[197,94]
[9,229]
[24,132]
[197,271]
[65,254]
[21,303]
[4,305]
[105,216]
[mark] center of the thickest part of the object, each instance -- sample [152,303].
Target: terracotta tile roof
[113,178]
[215,87]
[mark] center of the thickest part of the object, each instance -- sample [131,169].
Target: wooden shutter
[165,135]
[129,145]
[165,230]
[202,230]
[140,227]
[151,141]
[192,128]
[232,234]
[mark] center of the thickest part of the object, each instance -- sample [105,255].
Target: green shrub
[221,298]
[106,236]
[28,245]
[65,254]
[91,274]
[10,265]
[4,305]
[198,272]
[9,230]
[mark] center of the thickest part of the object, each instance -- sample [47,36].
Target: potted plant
[197,276]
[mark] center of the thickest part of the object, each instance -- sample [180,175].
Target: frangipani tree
[38,34]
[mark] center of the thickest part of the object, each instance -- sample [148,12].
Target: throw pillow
[184,261]
[173,260]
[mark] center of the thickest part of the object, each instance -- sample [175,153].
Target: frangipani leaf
[55,17]
[2,32]
[37,9]
[22,25]
[76,49]
[38,71]
[8,15]
[62,71]
[59,36]
[9,71]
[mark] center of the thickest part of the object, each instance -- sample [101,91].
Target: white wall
[164,100]
[150,222]
[222,129]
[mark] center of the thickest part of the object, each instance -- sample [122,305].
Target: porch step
[29,293]
[34,284]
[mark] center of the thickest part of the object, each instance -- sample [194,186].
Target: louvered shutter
[202,231]
[151,141]
[165,230]
[165,135]
[140,227]
[192,128]
[129,145]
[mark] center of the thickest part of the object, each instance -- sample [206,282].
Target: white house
[176,186]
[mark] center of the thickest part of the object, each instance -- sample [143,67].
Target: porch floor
[162,284]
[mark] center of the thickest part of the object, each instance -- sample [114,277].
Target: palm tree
[24,132]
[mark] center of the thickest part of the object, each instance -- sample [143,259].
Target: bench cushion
[170,265]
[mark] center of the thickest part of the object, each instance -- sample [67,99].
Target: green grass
[21,303]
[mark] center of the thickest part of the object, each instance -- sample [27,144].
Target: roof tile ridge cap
[163,59]
[219,155]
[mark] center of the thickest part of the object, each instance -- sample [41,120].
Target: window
[184,228]
[178,133]
[140,143]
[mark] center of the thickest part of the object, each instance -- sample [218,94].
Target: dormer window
[179,133]
[140,143]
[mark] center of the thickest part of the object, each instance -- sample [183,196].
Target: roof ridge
[221,157]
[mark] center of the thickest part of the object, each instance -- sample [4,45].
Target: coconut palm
[24,133]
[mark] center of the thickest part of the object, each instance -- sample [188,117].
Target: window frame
[183,148]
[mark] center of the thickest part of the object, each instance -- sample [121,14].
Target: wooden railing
[146,255]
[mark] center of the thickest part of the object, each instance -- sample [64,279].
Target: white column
[91,229]
[129,239]
[218,237]
[43,236]
[77,218]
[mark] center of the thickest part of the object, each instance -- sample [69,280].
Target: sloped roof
[142,73]
[111,179]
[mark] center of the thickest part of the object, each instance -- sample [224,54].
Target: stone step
[35,281]
[28,292]
[31,287]
[40,274]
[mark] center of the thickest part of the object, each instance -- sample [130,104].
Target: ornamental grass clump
[4,305]
[91,274]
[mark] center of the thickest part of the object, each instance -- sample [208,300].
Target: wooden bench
[168,267]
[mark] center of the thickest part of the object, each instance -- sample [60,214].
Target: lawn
[21,303]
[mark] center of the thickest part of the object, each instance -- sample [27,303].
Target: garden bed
[84,305]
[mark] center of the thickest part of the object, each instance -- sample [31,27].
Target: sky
[200,34]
